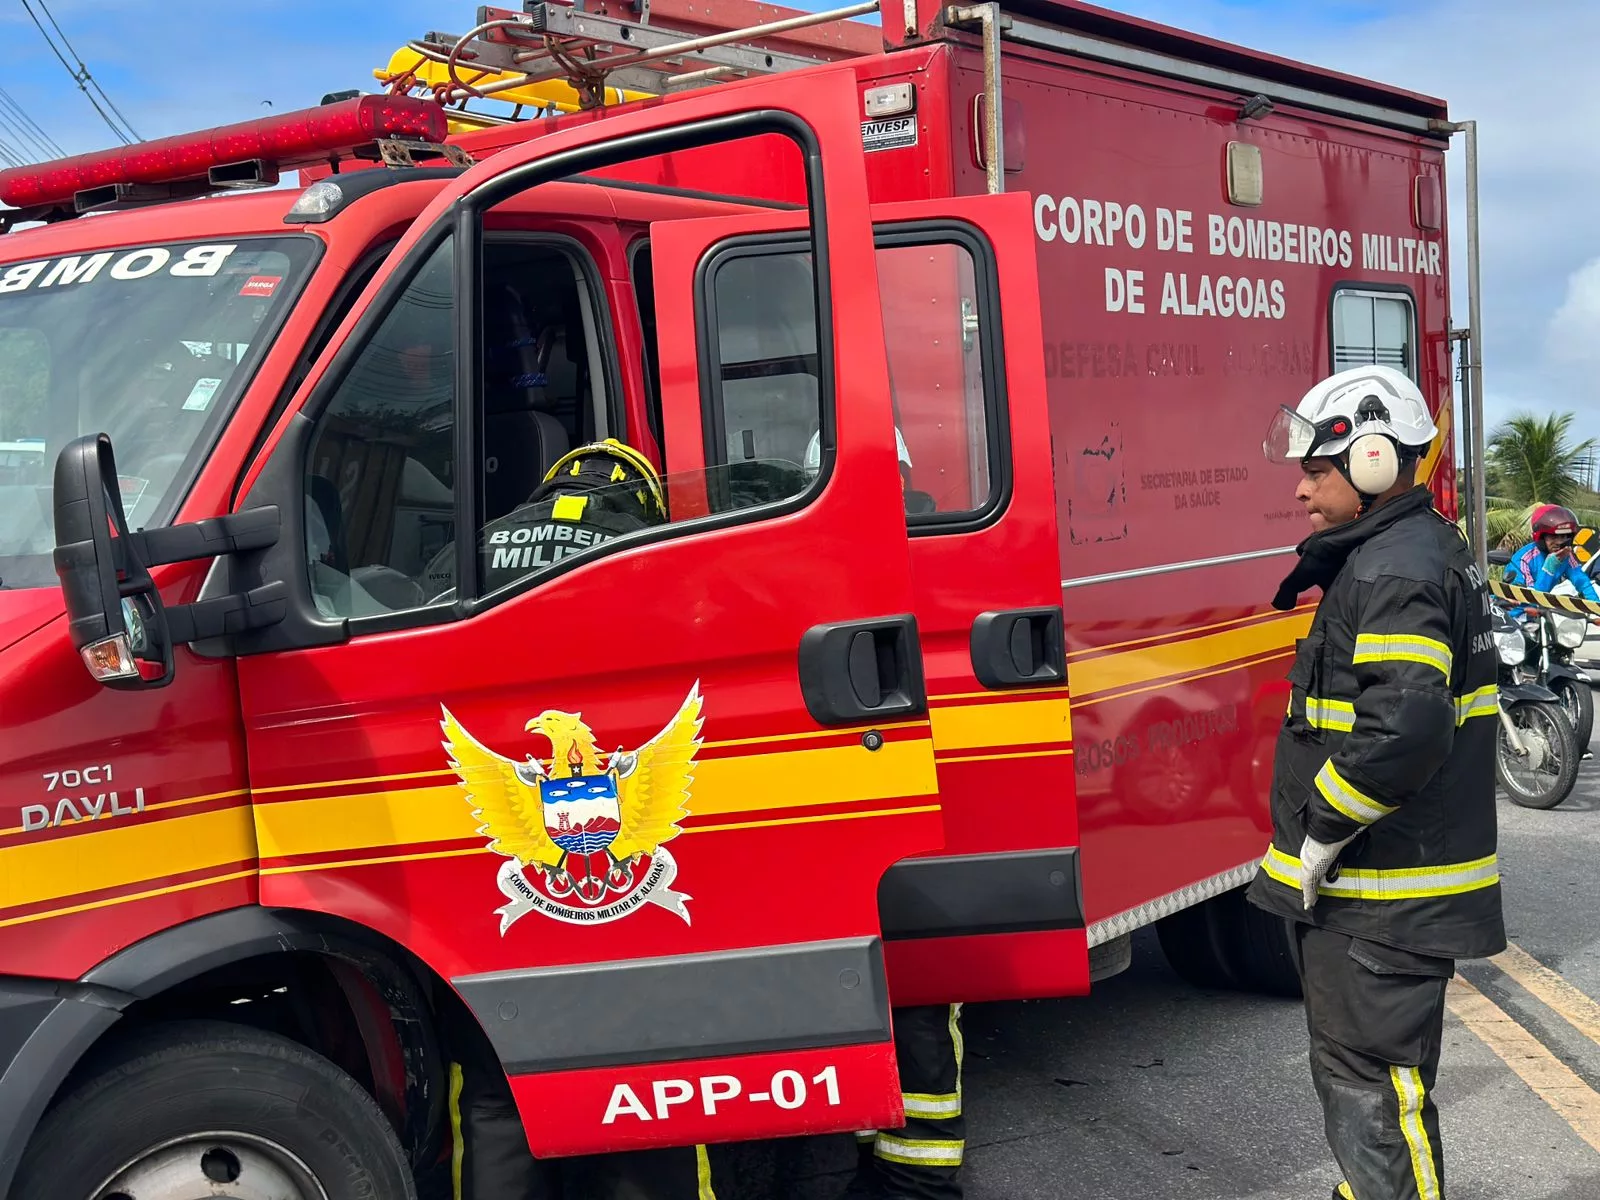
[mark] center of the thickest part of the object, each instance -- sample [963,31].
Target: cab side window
[767,391]
[1372,326]
[382,475]
[941,333]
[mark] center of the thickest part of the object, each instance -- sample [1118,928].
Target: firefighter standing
[1383,809]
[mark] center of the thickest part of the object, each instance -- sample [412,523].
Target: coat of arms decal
[585,839]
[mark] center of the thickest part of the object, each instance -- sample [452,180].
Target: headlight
[1512,646]
[1570,631]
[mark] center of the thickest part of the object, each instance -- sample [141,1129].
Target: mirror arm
[220,616]
[253,529]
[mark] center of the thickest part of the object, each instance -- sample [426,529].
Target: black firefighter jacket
[1390,736]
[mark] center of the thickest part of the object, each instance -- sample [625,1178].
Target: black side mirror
[121,628]
[115,615]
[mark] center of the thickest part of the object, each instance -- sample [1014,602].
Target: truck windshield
[149,344]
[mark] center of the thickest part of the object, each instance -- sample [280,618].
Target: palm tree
[1531,461]
[1534,460]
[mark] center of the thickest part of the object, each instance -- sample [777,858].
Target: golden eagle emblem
[585,833]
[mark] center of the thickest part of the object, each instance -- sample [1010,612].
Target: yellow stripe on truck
[35,871]
[1019,723]
[1114,671]
[753,782]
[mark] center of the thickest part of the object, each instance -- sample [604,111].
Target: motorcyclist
[1548,560]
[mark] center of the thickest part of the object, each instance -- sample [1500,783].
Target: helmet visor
[1289,437]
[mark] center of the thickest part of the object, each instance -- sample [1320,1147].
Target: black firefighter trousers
[922,1159]
[1376,1017]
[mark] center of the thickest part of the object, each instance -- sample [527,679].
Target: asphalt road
[1152,1090]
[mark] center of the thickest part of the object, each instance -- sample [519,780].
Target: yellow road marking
[1551,1079]
[1579,1011]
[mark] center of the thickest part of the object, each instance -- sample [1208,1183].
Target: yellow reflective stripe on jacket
[1410,1092]
[1353,803]
[920,1104]
[1403,647]
[1401,883]
[1485,702]
[918,1152]
[1338,715]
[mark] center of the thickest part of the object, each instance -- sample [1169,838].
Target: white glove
[1315,859]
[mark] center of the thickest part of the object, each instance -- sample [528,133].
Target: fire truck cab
[335,737]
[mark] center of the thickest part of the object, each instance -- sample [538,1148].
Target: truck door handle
[853,671]
[1018,648]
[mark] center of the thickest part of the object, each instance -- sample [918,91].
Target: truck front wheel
[206,1108]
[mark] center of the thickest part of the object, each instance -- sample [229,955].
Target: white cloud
[1574,333]
[1524,73]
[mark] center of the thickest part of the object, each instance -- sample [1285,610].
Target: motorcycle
[1553,639]
[1553,642]
[1536,756]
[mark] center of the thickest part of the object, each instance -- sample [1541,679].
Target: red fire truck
[949,667]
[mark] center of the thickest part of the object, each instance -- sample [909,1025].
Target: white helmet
[1367,419]
[813,462]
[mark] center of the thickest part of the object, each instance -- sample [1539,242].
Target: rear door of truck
[688,754]
[997,914]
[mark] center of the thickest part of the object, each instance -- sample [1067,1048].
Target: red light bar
[288,141]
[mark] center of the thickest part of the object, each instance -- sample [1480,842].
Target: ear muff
[1374,464]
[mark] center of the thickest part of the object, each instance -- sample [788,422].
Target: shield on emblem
[580,812]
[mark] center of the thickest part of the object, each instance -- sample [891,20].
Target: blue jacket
[1532,569]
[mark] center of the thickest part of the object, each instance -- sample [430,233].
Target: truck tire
[1197,946]
[1263,954]
[209,1108]
[1228,943]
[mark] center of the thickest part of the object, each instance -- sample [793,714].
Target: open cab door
[628,791]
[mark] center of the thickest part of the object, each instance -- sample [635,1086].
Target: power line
[80,74]
[28,127]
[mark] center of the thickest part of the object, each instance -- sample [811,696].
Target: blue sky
[179,64]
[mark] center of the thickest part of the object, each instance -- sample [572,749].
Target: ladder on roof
[508,54]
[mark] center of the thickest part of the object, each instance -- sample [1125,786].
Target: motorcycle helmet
[1368,420]
[1552,520]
